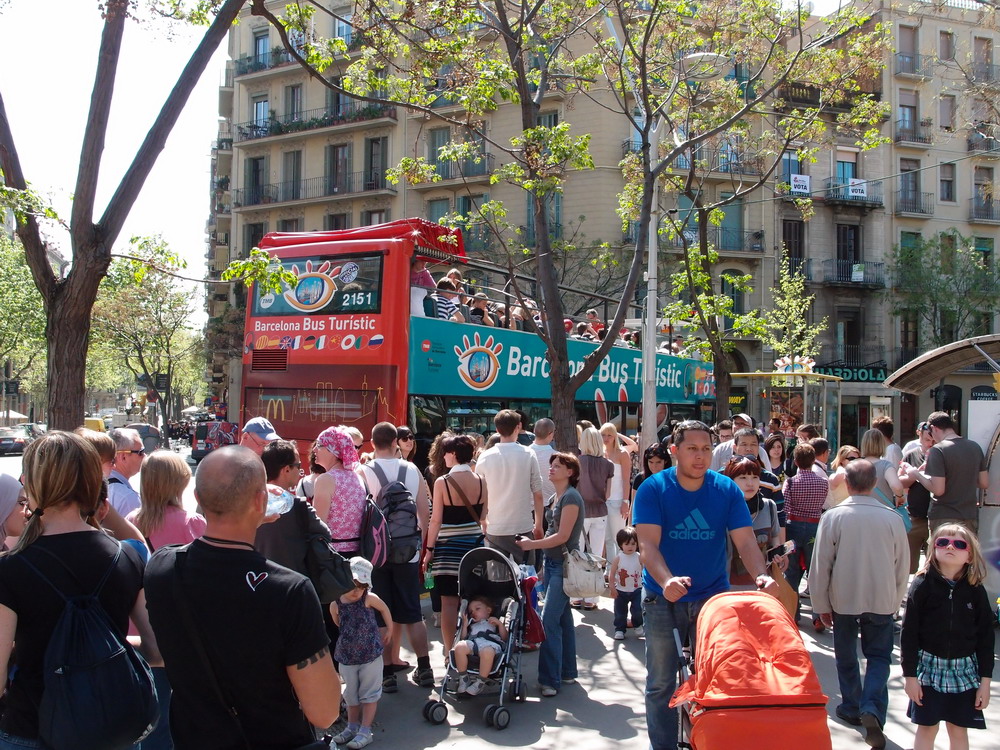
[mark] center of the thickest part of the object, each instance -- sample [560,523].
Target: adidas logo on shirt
[692,528]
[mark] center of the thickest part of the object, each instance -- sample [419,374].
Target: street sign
[162,381]
[11,387]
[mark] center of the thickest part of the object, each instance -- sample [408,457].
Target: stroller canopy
[490,573]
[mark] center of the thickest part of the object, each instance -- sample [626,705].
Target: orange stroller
[754,682]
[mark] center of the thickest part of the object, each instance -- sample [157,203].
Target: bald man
[261,624]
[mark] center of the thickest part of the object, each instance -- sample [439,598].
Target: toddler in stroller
[484,636]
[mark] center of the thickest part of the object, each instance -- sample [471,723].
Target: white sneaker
[639,631]
[619,635]
[463,684]
[344,737]
[361,739]
[476,686]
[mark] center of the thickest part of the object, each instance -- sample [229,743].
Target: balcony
[865,194]
[918,205]
[984,211]
[353,112]
[856,274]
[273,58]
[853,355]
[978,142]
[463,169]
[797,94]
[317,187]
[909,132]
[985,72]
[800,267]
[224,141]
[914,66]
[724,240]
[723,160]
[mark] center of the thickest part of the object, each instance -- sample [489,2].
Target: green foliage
[261,269]
[788,331]
[22,316]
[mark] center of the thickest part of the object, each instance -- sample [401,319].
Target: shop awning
[928,369]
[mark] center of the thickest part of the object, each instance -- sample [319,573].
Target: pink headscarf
[339,443]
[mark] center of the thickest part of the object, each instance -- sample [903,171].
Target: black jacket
[946,622]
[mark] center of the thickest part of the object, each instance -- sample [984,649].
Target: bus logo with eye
[315,288]
[478,365]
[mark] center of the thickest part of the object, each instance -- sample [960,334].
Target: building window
[338,169]
[736,295]
[260,45]
[984,246]
[547,119]
[946,112]
[909,242]
[437,209]
[252,235]
[907,109]
[289,225]
[847,166]
[260,110]
[291,188]
[983,183]
[909,327]
[293,101]
[437,139]
[946,46]
[946,181]
[793,236]
[342,29]
[333,222]
[947,243]
[790,165]
[376,162]
[848,246]
[377,216]
[909,181]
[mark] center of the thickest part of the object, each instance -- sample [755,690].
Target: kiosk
[795,398]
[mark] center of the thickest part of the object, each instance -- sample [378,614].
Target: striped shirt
[805,494]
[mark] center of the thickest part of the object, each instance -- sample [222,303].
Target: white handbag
[583,574]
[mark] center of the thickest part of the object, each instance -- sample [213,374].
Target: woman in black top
[655,459]
[62,482]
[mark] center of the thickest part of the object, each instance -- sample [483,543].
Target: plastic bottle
[428,579]
[279,500]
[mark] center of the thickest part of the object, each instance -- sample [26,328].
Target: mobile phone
[782,549]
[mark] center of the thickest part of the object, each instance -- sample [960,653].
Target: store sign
[870,374]
[800,184]
[984,393]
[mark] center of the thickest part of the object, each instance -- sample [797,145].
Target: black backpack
[400,511]
[98,691]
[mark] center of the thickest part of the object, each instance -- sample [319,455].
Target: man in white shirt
[724,451]
[514,484]
[893,453]
[399,584]
[545,430]
[129,452]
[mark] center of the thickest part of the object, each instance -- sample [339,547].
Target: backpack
[400,511]
[374,541]
[329,572]
[98,691]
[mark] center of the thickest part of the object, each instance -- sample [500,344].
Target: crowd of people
[223,605]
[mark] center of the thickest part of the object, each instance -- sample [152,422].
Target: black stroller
[489,573]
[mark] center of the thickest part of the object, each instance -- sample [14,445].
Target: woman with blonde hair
[63,484]
[11,508]
[618,507]
[596,473]
[888,488]
[162,518]
[838,480]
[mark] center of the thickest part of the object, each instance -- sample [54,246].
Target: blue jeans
[10,742]
[662,662]
[557,655]
[803,534]
[876,644]
[159,738]
[622,604]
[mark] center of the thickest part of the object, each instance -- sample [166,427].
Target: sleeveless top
[346,509]
[460,530]
[617,495]
[359,641]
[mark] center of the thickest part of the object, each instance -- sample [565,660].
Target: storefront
[863,399]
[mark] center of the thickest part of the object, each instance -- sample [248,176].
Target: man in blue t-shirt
[683,516]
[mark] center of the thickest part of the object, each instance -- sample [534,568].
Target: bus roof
[437,241]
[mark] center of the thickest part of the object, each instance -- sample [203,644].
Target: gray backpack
[400,511]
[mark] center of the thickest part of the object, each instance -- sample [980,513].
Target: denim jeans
[622,604]
[10,742]
[159,738]
[876,644]
[803,534]
[557,655]
[662,661]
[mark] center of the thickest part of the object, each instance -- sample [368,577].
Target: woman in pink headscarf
[339,497]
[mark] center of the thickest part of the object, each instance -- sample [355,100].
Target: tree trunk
[67,331]
[563,414]
[723,385]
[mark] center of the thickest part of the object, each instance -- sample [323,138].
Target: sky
[46,81]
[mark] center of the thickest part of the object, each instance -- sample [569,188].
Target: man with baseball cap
[724,451]
[257,433]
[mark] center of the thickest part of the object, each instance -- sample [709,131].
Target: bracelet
[429,549]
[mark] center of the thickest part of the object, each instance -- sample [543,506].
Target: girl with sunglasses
[946,647]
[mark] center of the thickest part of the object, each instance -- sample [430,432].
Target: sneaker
[639,632]
[463,684]
[389,684]
[568,680]
[476,686]
[361,739]
[619,635]
[344,737]
[873,731]
[424,677]
[547,691]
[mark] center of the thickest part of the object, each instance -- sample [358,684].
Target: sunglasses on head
[943,541]
[740,459]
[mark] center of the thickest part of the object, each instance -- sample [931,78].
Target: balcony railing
[726,160]
[867,193]
[317,187]
[985,72]
[800,94]
[914,65]
[724,240]
[853,355]
[985,210]
[255,63]
[354,111]
[908,131]
[801,267]
[854,273]
[480,166]
[224,141]
[979,142]
[909,202]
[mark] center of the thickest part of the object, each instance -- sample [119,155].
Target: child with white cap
[359,651]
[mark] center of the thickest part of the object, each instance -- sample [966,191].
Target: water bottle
[279,500]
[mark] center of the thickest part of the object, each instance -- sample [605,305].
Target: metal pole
[649,434]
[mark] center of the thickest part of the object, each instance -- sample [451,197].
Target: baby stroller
[753,680]
[490,573]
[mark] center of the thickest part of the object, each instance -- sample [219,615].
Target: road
[605,709]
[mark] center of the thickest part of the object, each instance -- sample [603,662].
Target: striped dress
[460,532]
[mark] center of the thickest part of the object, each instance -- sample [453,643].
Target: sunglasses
[140,452]
[740,459]
[943,541]
[853,458]
[359,446]
[405,437]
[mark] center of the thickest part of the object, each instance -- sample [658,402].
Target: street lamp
[698,67]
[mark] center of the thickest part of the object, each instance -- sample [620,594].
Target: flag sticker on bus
[478,364]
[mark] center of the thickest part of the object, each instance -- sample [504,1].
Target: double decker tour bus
[354,344]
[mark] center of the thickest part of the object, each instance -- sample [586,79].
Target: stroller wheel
[427,709]
[489,712]
[501,718]
[437,712]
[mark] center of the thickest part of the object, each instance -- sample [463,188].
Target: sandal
[590,606]
[576,603]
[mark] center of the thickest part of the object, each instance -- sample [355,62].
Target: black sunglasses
[140,452]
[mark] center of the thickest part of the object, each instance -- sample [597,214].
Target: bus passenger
[445,300]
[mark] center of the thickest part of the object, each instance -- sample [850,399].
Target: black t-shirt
[256,618]
[918,498]
[88,554]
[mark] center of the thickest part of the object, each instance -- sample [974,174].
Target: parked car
[13,440]
[211,435]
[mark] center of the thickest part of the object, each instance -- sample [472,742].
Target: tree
[946,285]
[22,319]
[69,299]
[788,330]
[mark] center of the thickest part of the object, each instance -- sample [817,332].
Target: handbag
[199,647]
[903,511]
[329,572]
[583,574]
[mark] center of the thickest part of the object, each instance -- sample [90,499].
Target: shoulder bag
[329,572]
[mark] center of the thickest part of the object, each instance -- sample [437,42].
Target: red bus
[353,344]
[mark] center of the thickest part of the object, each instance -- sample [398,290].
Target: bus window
[341,285]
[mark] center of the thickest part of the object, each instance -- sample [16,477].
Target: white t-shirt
[543,453]
[121,495]
[511,473]
[628,577]
[390,467]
